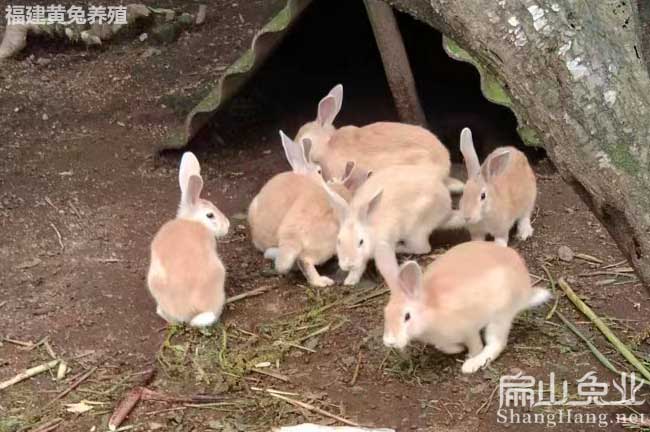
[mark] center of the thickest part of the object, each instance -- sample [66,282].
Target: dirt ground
[82,193]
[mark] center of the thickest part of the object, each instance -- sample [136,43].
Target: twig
[107,260]
[28,374]
[247,294]
[313,408]
[49,350]
[3,303]
[270,390]
[49,426]
[19,343]
[125,407]
[74,385]
[359,302]
[596,352]
[614,265]
[47,200]
[557,298]
[58,235]
[625,271]
[271,374]
[589,258]
[294,345]
[488,401]
[355,374]
[126,404]
[611,337]
[160,411]
[315,333]
[39,343]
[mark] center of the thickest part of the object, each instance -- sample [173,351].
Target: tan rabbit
[270,205]
[399,206]
[302,228]
[375,146]
[472,286]
[186,276]
[497,194]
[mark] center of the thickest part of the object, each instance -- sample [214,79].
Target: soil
[82,193]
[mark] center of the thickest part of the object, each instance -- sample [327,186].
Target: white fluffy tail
[204,319]
[455,186]
[540,295]
[271,253]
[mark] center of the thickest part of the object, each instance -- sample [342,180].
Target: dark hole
[333,43]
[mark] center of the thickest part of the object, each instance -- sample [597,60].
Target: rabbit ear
[356,178]
[294,152]
[410,278]
[306,149]
[469,153]
[337,94]
[330,105]
[349,168]
[339,205]
[194,187]
[496,164]
[189,166]
[386,263]
[366,210]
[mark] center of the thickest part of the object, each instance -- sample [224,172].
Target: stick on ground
[247,294]
[611,337]
[313,408]
[28,374]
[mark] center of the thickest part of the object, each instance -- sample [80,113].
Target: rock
[45,117]
[201,14]
[565,253]
[166,32]
[186,19]
[43,61]
[143,37]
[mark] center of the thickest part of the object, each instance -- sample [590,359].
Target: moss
[492,88]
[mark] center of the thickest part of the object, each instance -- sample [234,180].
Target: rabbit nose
[389,341]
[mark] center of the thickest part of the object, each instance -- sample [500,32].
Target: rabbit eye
[407,316]
[210,215]
[482,196]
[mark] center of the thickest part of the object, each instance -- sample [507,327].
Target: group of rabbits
[370,193]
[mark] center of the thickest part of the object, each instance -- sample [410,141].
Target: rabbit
[268,208]
[186,276]
[497,194]
[304,230]
[474,285]
[402,203]
[375,146]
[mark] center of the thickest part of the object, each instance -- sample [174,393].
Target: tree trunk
[396,63]
[576,74]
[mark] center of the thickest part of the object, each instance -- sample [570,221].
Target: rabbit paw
[473,364]
[322,281]
[524,230]
[352,279]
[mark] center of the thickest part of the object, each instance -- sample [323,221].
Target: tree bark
[396,62]
[575,74]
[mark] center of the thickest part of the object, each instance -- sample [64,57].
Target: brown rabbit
[497,194]
[186,276]
[373,147]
